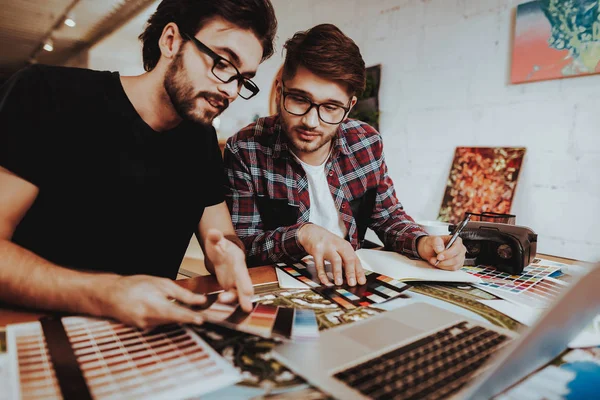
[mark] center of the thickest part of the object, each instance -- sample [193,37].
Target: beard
[305,146]
[185,100]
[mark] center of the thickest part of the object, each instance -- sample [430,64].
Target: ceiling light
[70,21]
[48,45]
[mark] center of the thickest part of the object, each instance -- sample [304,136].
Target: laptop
[420,351]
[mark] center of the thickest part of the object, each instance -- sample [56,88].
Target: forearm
[279,245]
[399,233]
[30,281]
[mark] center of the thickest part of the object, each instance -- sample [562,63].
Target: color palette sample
[533,288]
[264,320]
[377,289]
[116,361]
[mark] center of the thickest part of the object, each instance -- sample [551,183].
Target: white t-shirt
[323,211]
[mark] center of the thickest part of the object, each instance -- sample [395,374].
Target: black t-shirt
[114,195]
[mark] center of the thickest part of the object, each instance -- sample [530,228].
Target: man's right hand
[146,301]
[323,246]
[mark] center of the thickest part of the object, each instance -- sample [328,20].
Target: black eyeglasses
[225,71]
[298,105]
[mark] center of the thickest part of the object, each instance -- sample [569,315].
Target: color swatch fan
[533,288]
[88,358]
[264,320]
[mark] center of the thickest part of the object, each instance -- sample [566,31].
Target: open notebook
[395,266]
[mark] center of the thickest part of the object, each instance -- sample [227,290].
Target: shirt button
[343,206]
[330,173]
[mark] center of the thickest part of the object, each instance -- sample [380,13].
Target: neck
[317,157]
[149,98]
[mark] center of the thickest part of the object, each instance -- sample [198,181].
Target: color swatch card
[533,288]
[264,320]
[88,358]
[377,289]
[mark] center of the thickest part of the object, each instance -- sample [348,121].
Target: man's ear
[170,41]
[352,103]
[278,91]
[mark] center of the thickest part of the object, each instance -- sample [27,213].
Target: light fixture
[70,21]
[49,44]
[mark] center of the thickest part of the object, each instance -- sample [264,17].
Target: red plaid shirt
[260,166]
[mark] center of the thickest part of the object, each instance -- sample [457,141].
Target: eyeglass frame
[216,59]
[284,94]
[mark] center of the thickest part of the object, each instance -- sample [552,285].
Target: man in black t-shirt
[104,178]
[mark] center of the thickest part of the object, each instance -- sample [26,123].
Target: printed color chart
[377,289]
[116,361]
[533,288]
[264,320]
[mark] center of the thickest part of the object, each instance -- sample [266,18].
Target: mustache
[215,98]
[307,129]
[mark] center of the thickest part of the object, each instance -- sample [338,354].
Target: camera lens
[504,251]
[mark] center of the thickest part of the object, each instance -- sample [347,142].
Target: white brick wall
[445,74]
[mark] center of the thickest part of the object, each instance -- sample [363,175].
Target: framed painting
[556,39]
[481,180]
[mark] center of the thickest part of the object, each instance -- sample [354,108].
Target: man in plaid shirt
[309,181]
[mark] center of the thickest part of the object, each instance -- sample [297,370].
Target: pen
[455,234]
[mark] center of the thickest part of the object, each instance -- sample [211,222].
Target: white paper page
[5,382]
[287,282]
[403,268]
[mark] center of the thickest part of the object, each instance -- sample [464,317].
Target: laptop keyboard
[430,368]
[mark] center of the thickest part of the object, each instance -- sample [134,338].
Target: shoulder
[58,78]
[53,73]
[358,134]
[259,133]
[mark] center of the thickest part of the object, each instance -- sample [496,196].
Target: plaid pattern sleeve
[262,246]
[396,229]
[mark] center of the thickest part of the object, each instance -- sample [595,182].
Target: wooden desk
[201,284]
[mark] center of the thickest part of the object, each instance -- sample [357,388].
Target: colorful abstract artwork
[481,179]
[556,39]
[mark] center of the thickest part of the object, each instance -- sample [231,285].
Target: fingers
[320,267]
[245,289]
[175,313]
[352,266]
[452,264]
[228,296]
[183,295]
[437,243]
[452,258]
[360,273]
[336,267]
[455,250]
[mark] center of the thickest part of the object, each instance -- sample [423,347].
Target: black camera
[508,248]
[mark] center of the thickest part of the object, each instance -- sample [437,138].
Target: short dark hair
[191,15]
[328,53]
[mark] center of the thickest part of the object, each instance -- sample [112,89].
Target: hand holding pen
[455,235]
[444,252]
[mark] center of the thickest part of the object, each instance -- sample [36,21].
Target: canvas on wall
[481,179]
[556,39]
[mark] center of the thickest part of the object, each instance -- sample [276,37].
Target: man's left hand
[433,249]
[230,268]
